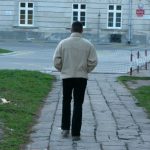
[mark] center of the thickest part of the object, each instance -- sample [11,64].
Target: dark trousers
[75,87]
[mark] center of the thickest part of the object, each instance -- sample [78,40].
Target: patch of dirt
[134,84]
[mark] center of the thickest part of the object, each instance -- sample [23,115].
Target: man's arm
[57,58]
[92,59]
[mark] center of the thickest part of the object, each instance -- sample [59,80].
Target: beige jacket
[75,57]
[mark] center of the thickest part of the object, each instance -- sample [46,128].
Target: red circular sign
[140,12]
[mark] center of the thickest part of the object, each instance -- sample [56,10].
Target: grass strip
[142,93]
[26,91]
[4,51]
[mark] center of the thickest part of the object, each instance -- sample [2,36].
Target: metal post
[138,56]
[130,22]
[146,59]
[131,61]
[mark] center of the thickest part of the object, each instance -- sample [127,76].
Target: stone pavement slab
[111,120]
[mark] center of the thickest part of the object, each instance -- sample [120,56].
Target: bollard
[146,59]
[131,60]
[138,56]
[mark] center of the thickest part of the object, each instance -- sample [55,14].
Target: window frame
[114,11]
[26,9]
[79,10]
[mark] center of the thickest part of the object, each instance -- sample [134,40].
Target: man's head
[77,27]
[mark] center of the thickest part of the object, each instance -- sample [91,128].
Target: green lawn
[26,91]
[142,93]
[4,51]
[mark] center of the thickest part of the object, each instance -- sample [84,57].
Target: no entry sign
[140,12]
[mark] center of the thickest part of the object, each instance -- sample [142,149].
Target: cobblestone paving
[111,120]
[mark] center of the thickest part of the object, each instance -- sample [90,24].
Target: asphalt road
[113,58]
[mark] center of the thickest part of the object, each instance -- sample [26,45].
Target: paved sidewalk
[111,120]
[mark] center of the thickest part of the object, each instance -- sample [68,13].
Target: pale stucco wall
[52,17]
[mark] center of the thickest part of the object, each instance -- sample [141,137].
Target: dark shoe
[65,133]
[75,138]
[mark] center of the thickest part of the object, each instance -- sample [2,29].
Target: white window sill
[113,30]
[25,27]
[84,29]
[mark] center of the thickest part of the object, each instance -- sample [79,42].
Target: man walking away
[74,57]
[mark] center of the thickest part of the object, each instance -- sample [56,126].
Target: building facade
[126,21]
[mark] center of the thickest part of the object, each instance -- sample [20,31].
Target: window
[26,10]
[114,16]
[79,13]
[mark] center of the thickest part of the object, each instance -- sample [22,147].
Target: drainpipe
[98,27]
[130,22]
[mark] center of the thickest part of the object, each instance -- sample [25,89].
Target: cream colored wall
[54,16]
